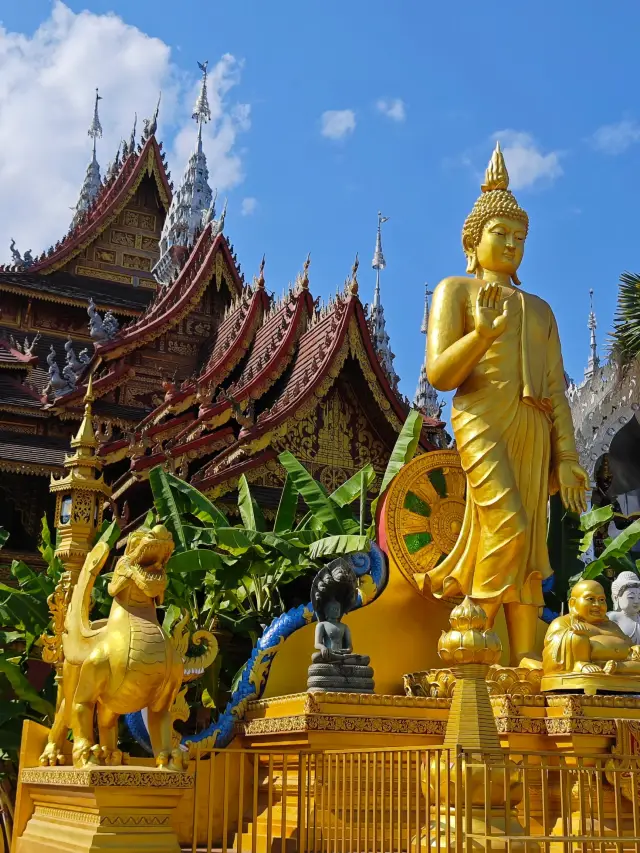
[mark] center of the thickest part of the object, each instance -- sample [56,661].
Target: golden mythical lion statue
[125,663]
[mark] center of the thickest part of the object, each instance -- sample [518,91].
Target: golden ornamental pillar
[474,787]
[80,495]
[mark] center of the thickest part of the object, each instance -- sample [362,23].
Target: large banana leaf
[168,509]
[617,548]
[596,517]
[332,546]
[23,689]
[403,452]
[35,583]
[21,610]
[250,512]
[315,497]
[109,532]
[404,448]
[196,559]
[199,505]
[238,541]
[286,514]
[349,491]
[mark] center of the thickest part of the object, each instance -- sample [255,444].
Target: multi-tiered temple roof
[192,367]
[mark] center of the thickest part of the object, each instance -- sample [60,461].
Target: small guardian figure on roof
[335,666]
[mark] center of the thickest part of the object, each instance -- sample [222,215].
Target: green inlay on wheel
[416,541]
[438,482]
[415,504]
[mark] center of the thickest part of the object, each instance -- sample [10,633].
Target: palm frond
[624,343]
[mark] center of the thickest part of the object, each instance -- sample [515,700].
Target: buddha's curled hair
[496,200]
[336,581]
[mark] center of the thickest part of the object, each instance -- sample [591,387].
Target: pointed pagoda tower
[377,322]
[193,203]
[426,399]
[91,184]
[594,360]
[80,494]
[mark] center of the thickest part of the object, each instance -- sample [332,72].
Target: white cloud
[249,206]
[338,123]
[616,138]
[46,102]
[393,108]
[526,163]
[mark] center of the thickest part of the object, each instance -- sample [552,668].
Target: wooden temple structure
[192,367]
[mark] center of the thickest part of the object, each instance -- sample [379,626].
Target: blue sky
[558,79]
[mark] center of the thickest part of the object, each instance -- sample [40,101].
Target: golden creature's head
[494,232]
[143,562]
[588,602]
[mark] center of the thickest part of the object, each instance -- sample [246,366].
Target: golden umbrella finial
[89,396]
[496,177]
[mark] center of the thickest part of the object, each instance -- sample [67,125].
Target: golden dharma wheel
[424,509]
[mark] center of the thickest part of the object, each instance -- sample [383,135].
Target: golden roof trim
[65,300]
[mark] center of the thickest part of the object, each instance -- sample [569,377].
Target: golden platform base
[590,683]
[102,808]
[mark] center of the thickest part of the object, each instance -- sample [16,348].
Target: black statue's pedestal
[348,673]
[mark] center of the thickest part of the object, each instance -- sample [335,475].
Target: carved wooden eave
[101,385]
[273,347]
[234,336]
[110,202]
[319,359]
[210,255]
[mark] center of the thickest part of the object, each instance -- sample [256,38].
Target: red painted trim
[110,198]
[235,470]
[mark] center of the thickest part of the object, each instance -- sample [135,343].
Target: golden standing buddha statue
[498,347]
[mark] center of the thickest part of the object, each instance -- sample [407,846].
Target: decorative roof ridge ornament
[20,262]
[258,280]
[92,182]
[201,111]
[353,281]
[302,279]
[151,124]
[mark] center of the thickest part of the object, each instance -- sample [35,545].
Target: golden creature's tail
[202,641]
[79,631]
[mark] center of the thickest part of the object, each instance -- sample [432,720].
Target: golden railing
[397,800]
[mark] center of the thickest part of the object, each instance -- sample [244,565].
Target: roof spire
[426,399]
[594,360]
[190,208]
[201,111]
[132,139]
[376,319]
[91,183]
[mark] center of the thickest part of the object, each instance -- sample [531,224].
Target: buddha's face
[588,602]
[629,601]
[332,610]
[502,245]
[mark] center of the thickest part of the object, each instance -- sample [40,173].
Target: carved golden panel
[105,274]
[130,217]
[123,238]
[149,244]
[147,222]
[107,256]
[182,348]
[136,262]
[145,282]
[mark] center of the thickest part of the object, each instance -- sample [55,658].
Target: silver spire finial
[426,398]
[425,319]
[95,129]
[379,262]
[201,110]
[377,322]
[592,324]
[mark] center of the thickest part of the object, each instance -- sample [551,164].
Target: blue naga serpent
[371,571]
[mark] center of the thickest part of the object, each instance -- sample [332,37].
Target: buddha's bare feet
[610,667]
[588,668]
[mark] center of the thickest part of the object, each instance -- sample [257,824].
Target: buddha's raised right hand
[491,312]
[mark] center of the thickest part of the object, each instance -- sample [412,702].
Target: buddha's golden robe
[512,424]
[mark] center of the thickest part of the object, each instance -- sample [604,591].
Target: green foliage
[403,452]
[625,338]
[563,542]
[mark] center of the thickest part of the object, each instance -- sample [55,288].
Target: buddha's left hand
[574,484]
